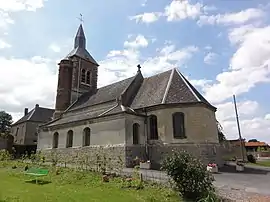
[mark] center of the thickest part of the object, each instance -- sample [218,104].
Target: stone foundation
[118,156]
[88,156]
[205,152]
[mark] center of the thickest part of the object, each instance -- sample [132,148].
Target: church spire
[80,40]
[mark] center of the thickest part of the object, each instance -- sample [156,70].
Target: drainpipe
[146,139]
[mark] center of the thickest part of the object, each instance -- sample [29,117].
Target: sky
[221,46]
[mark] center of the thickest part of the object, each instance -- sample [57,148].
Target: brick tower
[78,74]
[64,87]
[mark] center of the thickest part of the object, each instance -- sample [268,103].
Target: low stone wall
[116,156]
[206,152]
[90,156]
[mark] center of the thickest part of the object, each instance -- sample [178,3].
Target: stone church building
[136,117]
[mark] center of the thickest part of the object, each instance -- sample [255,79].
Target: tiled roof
[165,88]
[38,114]
[255,144]
[103,94]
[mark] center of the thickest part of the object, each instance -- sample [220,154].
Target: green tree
[5,122]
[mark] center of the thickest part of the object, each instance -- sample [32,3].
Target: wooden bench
[37,172]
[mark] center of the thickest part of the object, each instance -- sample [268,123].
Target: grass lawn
[75,186]
[265,163]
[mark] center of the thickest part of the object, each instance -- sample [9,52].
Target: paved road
[253,181]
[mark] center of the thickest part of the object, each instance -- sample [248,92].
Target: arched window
[136,128]
[153,127]
[86,137]
[179,125]
[83,76]
[69,139]
[88,77]
[55,139]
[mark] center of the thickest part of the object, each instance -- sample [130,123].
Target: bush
[190,176]
[251,158]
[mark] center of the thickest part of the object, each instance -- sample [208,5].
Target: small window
[88,75]
[153,127]
[83,76]
[136,128]
[55,140]
[69,139]
[86,136]
[179,125]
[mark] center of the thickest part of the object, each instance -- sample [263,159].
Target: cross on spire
[81,18]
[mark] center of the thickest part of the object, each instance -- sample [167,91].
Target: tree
[253,140]
[221,136]
[5,122]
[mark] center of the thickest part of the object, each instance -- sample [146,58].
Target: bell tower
[85,68]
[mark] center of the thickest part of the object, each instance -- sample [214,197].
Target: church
[139,117]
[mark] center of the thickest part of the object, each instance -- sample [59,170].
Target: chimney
[25,111]
[37,105]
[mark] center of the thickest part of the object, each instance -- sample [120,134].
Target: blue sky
[223,47]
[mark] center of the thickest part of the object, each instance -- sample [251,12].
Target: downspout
[146,129]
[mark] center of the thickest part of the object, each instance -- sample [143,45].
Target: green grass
[75,186]
[265,163]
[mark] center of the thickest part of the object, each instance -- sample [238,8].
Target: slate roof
[168,87]
[103,94]
[38,114]
[80,47]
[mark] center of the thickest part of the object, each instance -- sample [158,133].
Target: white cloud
[267,117]
[226,110]
[4,44]
[55,48]
[33,81]
[139,41]
[19,5]
[5,20]
[251,125]
[146,17]
[179,10]
[232,18]
[250,64]
[121,64]
[210,58]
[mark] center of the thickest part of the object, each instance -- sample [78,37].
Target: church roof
[37,114]
[165,88]
[131,94]
[80,47]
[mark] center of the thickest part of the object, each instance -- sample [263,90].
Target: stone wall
[200,124]
[205,152]
[18,132]
[114,156]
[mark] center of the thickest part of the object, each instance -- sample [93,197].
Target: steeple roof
[80,47]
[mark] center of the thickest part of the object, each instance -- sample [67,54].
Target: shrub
[190,176]
[251,158]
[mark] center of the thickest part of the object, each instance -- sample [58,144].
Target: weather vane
[81,18]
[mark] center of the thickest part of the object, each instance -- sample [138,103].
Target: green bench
[37,172]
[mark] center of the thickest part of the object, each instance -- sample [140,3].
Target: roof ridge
[31,114]
[168,86]
[187,84]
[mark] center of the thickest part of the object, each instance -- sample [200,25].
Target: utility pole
[239,131]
